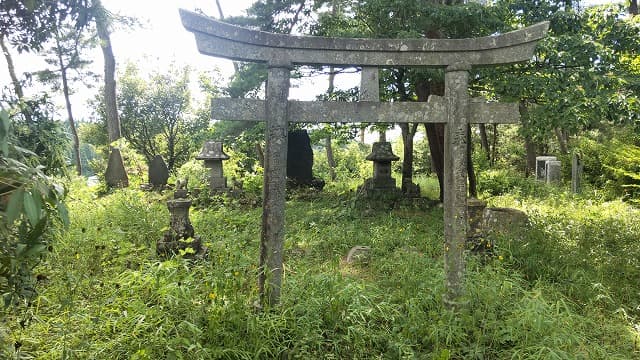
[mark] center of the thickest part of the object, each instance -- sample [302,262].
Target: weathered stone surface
[505,221]
[475,209]
[541,162]
[359,254]
[213,155]
[180,236]
[369,84]
[158,172]
[116,175]
[274,189]
[236,43]
[432,111]
[455,181]
[300,158]
[553,171]
[576,173]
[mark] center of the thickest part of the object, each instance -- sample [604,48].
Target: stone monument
[213,156]
[553,171]
[116,175]
[282,52]
[158,173]
[576,173]
[180,237]
[541,163]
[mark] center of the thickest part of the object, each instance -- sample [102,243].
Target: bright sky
[163,41]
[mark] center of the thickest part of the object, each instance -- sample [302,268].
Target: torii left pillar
[274,189]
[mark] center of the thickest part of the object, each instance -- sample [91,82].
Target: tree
[157,117]
[65,52]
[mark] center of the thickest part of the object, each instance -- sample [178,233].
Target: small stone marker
[475,232]
[158,172]
[553,170]
[181,235]
[213,156]
[541,172]
[359,254]
[503,221]
[576,173]
[116,175]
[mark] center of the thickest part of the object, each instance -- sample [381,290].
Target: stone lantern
[213,156]
[180,236]
[382,156]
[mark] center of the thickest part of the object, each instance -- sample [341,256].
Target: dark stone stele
[300,161]
[116,175]
[158,172]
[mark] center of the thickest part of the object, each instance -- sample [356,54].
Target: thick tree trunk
[72,123]
[633,7]
[435,132]
[408,133]
[562,140]
[529,144]
[111,107]
[362,130]
[484,141]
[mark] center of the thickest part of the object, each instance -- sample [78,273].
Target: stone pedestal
[541,172]
[180,238]
[213,156]
[553,171]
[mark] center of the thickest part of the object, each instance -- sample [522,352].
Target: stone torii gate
[455,109]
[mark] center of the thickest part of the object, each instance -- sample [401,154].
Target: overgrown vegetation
[566,289]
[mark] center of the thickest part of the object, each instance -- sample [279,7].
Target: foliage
[30,204]
[29,23]
[157,117]
[42,135]
[553,294]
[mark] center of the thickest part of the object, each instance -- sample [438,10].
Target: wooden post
[275,176]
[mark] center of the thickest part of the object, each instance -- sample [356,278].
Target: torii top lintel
[220,39]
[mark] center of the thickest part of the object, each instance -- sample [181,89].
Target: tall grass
[565,291]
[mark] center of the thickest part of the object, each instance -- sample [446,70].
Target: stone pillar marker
[213,155]
[576,173]
[455,109]
[275,179]
[456,80]
[553,171]
[541,161]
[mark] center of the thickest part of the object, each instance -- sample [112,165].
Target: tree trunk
[362,130]
[562,141]
[529,144]
[72,123]
[260,153]
[633,7]
[494,146]
[471,174]
[408,133]
[484,141]
[435,132]
[331,163]
[111,107]
[17,87]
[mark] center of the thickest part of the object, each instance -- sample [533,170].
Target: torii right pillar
[456,81]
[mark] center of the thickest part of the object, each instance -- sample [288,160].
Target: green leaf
[15,206]
[31,207]
[63,212]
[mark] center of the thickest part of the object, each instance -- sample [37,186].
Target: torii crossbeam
[455,109]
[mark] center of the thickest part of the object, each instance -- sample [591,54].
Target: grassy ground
[568,289]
